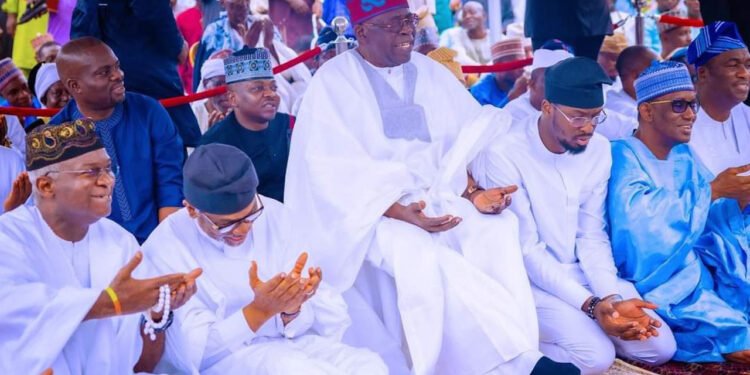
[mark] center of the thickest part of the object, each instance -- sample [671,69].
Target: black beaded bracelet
[592,306]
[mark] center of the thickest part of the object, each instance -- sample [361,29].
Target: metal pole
[339,25]
[495,16]
[639,22]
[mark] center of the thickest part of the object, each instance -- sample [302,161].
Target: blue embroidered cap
[248,64]
[662,78]
[714,39]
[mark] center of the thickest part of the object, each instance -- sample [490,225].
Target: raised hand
[139,295]
[279,294]
[732,183]
[493,201]
[19,192]
[214,117]
[299,6]
[251,35]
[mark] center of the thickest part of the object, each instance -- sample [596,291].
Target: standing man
[254,125]
[74,306]
[388,174]
[143,35]
[136,131]
[561,167]
[580,23]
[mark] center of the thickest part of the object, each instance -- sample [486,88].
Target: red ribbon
[502,67]
[692,22]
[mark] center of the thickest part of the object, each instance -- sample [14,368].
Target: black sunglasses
[681,105]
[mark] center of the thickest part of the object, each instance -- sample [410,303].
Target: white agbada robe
[560,204]
[48,285]
[469,51]
[216,332]
[722,145]
[344,173]
[520,108]
[11,165]
[619,101]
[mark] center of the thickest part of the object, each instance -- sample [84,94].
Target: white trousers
[567,334]
[309,355]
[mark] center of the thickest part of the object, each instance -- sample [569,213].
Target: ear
[192,211]
[359,31]
[546,107]
[232,97]
[72,86]
[45,186]
[702,73]
[646,112]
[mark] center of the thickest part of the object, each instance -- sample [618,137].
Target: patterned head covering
[662,78]
[614,43]
[713,40]
[52,144]
[248,64]
[8,71]
[363,10]
[446,57]
[508,47]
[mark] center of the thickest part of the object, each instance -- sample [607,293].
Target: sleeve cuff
[299,325]
[234,330]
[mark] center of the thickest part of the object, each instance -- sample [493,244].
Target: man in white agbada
[721,132]
[70,304]
[376,172]
[15,187]
[471,39]
[630,63]
[529,104]
[249,315]
[211,110]
[561,168]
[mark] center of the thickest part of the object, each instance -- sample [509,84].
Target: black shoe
[546,366]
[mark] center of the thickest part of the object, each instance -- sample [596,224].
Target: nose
[117,75]
[743,72]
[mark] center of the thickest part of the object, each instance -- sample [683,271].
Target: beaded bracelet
[592,306]
[150,327]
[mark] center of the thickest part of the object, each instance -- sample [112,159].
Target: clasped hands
[283,293]
[626,319]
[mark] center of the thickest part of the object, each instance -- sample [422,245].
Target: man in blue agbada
[683,250]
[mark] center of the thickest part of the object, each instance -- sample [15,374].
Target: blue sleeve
[162,24]
[168,158]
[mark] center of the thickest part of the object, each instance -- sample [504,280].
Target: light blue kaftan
[681,251]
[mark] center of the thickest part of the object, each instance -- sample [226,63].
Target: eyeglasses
[93,173]
[579,122]
[410,20]
[680,105]
[230,226]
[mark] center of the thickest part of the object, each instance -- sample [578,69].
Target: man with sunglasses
[377,168]
[258,310]
[721,134]
[254,125]
[71,302]
[670,237]
[561,167]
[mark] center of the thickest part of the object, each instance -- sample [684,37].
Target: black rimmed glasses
[410,20]
[93,173]
[680,105]
[579,121]
[230,226]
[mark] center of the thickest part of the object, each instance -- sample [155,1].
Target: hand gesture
[19,192]
[493,201]
[214,117]
[317,8]
[414,214]
[632,310]
[729,184]
[519,87]
[631,326]
[140,295]
[268,34]
[251,35]
[299,6]
[281,293]
[315,276]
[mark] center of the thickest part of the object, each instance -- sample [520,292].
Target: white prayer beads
[163,304]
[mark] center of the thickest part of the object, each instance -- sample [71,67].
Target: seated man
[561,168]
[663,219]
[136,131]
[612,46]
[631,62]
[211,110]
[228,228]
[499,88]
[672,36]
[48,87]
[254,125]
[530,103]
[387,174]
[721,134]
[470,40]
[72,304]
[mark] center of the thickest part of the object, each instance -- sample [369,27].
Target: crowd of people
[374,210]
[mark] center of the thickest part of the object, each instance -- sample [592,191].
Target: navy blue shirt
[144,144]
[486,92]
[268,149]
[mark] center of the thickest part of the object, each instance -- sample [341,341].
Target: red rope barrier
[692,22]
[23,111]
[304,56]
[502,67]
[185,99]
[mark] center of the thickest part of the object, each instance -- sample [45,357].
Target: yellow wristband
[115,300]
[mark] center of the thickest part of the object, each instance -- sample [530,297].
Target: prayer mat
[679,368]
